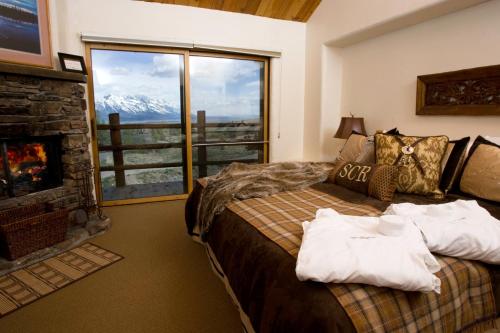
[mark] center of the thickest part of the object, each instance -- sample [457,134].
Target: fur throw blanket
[240,181]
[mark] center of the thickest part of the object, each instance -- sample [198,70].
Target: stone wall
[33,106]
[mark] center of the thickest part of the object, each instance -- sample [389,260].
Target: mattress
[262,277]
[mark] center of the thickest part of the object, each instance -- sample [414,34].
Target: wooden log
[116,141]
[142,146]
[136,126]
[142,166]
[202,150]
[171,165]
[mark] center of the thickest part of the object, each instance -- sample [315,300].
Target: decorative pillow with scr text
[378,181]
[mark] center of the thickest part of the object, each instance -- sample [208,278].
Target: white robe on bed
[386,252]
[461,229]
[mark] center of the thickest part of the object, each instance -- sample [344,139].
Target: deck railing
[117,147]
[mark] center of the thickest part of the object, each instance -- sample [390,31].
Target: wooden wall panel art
[471,92]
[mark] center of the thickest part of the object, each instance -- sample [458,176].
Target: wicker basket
[27,229]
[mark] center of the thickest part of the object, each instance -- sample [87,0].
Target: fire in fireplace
[29,165]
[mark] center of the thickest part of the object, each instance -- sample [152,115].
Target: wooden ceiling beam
[292,10]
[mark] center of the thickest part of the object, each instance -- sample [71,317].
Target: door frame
[187,112]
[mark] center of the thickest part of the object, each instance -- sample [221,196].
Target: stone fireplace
[44,154]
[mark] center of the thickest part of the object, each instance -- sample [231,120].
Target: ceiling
[292,10]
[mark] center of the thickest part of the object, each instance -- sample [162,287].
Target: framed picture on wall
[25,32]
[72,63]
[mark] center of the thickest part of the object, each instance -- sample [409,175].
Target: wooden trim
[137,48]
[156,126]
[111,203]
[215,54]
[44,59]
[45,73]
[141,146]
[93,123]
[485,82]
[462,110]
[266,109]
[187,114]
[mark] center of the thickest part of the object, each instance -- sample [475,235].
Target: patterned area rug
[26,285]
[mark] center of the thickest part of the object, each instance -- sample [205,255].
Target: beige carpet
[29,284]
[164,284]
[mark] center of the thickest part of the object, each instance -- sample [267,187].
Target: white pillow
[349,249]
[494,139]
[461,229]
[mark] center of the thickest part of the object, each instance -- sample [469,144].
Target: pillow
[418,159]
[481,173]
[494,139]
[353,147]
[378,181]
[367,155]
[452,163]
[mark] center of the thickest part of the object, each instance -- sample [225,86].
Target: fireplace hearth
[44,150]
[29,165]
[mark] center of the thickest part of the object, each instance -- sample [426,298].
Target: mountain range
[142,109]
[137,109]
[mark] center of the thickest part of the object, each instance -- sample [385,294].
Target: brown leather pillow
[378,181]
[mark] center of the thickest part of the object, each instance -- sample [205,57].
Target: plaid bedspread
[466,303]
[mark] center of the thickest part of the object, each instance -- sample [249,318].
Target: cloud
[119,71]
[221,71]
[253,84]
[166,65]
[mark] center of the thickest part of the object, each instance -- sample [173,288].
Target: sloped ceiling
[292,10]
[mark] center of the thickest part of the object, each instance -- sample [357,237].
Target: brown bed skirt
[262,275]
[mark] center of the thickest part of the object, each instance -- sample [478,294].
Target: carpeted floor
[164,284]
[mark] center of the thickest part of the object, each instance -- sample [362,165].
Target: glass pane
[227,105]
[140,121]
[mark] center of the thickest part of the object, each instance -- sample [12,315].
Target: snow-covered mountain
[136,108]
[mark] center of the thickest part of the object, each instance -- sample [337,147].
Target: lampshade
[348,125]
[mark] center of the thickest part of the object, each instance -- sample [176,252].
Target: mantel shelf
[41,73]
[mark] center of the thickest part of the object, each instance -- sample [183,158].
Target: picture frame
[467,92]
[26,32]
[72,63]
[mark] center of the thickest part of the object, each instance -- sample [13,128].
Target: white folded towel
[387,252]
[460,229]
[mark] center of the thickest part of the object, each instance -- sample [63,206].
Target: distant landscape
[141,109]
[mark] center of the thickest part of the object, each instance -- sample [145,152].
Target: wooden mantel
[41,73]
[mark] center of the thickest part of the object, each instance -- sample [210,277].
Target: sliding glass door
[228,111]
[153,132]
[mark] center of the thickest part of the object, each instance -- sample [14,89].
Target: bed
[253,244]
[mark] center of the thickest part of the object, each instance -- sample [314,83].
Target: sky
[30,5]
[220,86]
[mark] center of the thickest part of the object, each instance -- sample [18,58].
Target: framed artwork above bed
[25,32]
[469,92]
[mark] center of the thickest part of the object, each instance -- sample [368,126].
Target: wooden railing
[117,147]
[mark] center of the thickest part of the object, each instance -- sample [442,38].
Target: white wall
[379,75]
[335,25]
[187,24]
